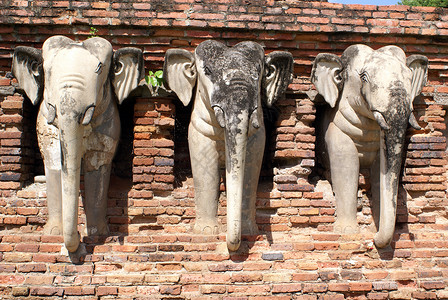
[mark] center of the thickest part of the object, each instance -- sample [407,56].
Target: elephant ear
[128,71]
[179,71]
[419,67]
[325,76]
[27,68]
[278,75]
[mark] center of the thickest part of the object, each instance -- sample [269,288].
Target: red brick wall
[151,252]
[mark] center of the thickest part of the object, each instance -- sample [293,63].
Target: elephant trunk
[236,143]
[391,145]
[71,147]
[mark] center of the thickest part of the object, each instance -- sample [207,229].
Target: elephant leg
[96,184]
[204,155]
[254,159]
[344,165]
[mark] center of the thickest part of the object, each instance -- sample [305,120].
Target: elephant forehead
[82,54]
[210,50]
[72,60]
[100,48]
[252,50]
[245,54]
[355,55]
[386,66]
[394,51]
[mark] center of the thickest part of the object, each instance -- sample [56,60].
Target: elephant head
[371,94]
[78,82]
[231,84]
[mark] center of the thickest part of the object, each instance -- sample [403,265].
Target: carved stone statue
[77,123]
[370,93]
[231,84]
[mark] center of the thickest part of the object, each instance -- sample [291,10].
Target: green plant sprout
[93,32]
[155,78]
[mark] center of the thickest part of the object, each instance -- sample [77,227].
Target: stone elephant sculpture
[79,84]
[230,85]
[371,94]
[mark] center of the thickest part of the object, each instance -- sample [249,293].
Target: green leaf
[153,81]
[93,31]
[434,3]
[158,74]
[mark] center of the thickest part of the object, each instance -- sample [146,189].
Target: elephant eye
[35,68]
[364,76]
[118,67]
[207,71]
[99,68]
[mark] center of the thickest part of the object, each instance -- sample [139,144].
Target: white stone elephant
[230,85]
[371,94]
[78,85]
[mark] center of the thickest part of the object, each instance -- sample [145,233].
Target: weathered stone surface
[356,133]
[64,123]
[230,84]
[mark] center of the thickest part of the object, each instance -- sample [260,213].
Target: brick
[165,278]
[19,291]
[11,119]
[377,296]
[170,289]
[47,291]
[246,277]
[360,286]
[191,278]
[26,268]
[307,265]
[27,248]
[223,267]
[375,274]
[272,256]
[424,295]
[253,290]
[169,267]
[351,274]
[11,279]
[257,266]
[328,275]
[17,257]
[338,287]
[39,279]
[277,277]
[314,287]
[213,289]
[117,279]
[430,285]
[44,257]
[402,274]
[326,246]
[79,291]
[308,211]
[106,291]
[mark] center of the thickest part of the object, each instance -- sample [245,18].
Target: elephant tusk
[88,114]
[254,119]
[219,113]
[413,122]
[51,113]
[380,119]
